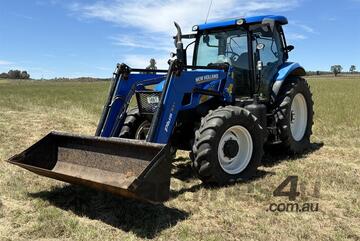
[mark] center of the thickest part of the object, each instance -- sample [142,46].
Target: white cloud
[306,28]
[103,68]
[148,24]
[4,62]
[23,16]
[295,36]
[137,41]
[297,30]
[158,15]
[330,19]
[301,26]
[142,60]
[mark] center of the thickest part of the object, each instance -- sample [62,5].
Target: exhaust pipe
[180,51]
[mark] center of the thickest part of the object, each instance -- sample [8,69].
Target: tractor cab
[254,47]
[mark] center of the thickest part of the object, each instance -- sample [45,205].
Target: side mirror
[172,55]
[289,48]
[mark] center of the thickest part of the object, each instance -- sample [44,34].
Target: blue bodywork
[214,80]
[285,70]
[250,20]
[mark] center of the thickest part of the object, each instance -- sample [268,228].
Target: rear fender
[286,70]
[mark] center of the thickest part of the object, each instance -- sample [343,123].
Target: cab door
[268,56]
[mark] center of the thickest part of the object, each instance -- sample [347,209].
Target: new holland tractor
[238,94]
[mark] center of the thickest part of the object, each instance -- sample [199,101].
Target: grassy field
[34,207]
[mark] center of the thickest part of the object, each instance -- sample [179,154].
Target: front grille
[148,101]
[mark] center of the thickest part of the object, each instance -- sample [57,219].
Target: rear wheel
[295,115]
[228,146]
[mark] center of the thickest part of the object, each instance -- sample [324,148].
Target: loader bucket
[129,168]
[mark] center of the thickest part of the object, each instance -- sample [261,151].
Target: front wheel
[228,146]
[135,126]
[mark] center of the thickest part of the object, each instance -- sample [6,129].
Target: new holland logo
[206,78]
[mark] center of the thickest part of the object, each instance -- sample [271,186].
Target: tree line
[15,74]
[337,69]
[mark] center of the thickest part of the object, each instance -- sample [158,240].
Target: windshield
[222,46]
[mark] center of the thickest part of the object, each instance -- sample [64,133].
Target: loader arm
[122,89]
[178,84]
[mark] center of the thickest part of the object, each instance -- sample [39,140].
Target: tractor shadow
[182,170]
[274,154]
[143,219]
[200,190]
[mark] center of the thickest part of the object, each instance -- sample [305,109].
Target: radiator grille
[148,101]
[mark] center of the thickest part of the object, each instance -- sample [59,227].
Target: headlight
[241,21]
[195,28]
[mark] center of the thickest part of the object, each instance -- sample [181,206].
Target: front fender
[287,69]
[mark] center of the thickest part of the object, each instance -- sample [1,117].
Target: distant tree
[4,76]
[352,68]
[17,74]
[14,74]
[24,75]
[336,69]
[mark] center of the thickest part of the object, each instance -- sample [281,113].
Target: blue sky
[53,38]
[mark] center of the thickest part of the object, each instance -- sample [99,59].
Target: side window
[207,53]
[237,51]
[271,54]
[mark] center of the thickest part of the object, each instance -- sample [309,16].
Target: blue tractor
[239,94]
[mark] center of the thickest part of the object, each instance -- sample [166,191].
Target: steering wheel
[234,56]
[238,61]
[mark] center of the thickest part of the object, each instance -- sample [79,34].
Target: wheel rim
[234,160]
[298,117]
[142,131]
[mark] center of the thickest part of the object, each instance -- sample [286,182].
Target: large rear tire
[295,115]
[228,146]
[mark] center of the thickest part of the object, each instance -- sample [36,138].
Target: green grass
[34,207]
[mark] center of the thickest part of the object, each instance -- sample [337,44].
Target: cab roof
[248,20]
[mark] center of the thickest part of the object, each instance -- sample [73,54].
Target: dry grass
[34,207]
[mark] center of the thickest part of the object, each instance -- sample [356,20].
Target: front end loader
[239,94]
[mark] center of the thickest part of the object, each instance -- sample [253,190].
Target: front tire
[135,126]
[295,115]
[228,146]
